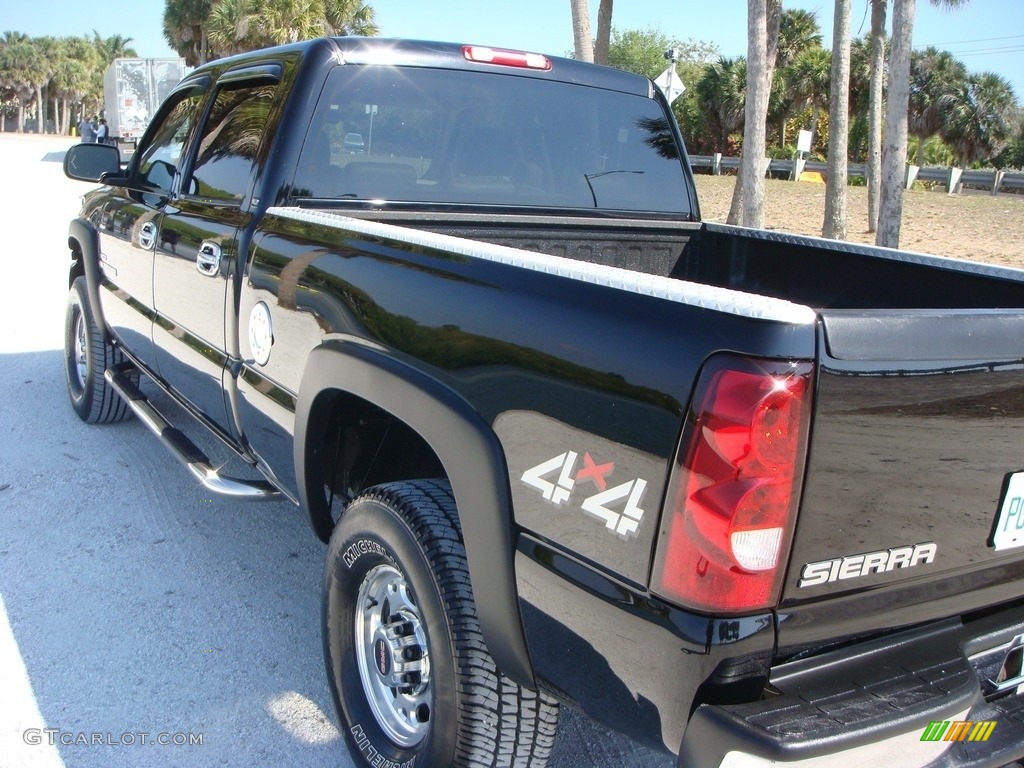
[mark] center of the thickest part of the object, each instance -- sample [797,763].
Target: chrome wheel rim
[81,366]
[393,656]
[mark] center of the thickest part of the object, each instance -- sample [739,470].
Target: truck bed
[919,402]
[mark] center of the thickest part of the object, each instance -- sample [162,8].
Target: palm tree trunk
[754,139]
[604,32]
[834,225]
[763,19]
[894,148]
[584,43]
[920,151]
[878,8]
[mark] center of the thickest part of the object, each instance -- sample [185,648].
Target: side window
[158,161]
[229,143]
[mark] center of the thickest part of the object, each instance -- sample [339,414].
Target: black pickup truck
[753,498]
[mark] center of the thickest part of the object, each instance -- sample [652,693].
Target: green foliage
[720,96]
[235,26]
[982,118]
[935,152]
[643,52]
[1013,155]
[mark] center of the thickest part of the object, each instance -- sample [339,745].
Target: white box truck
[133,89]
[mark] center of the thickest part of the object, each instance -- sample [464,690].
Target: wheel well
[363,445]
[77,264]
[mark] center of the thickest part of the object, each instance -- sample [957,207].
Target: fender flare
[471,455]
[83,237]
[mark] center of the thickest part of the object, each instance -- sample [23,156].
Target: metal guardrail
[953,178]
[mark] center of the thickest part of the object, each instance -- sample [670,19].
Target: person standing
[102,132]
[85,131]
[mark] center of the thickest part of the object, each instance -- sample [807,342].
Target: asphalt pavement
[144,621]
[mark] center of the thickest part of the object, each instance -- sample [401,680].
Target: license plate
[1008,531]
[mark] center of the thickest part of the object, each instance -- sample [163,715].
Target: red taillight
[734,493]
[483,55]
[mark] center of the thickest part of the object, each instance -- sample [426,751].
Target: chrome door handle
[208,259]
[147,235]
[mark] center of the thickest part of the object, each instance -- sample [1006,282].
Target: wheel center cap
[382,657]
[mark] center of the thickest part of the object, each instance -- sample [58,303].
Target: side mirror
[91,162]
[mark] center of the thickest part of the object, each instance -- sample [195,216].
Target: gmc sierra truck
[753,498]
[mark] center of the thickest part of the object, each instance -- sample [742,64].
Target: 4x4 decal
[558,489]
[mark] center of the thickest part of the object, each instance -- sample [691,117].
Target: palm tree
[798,31]
[47,49]
[894,149]
[70,80]
[583,43]
[860,82]
[185,29]
[21,66]
[874,165]
[839,123]
[764,18]
[982,119]
[350,17]
[936,79]
[721,93]
[809,81]
[113,47]
[244,25]
[604,32]
[232,27]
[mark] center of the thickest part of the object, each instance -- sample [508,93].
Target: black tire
[475,717]
[86,357]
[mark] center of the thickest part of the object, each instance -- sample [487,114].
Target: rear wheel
[411,678]
[86,357]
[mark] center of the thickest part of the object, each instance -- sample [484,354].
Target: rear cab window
[438,136]
[231,137]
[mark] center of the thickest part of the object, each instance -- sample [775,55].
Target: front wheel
[411,678]
[86,357]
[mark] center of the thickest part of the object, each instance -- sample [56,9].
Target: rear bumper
[872,705]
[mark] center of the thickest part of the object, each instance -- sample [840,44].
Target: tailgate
[908,511]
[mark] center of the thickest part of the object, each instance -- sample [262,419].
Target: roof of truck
[472,57]
[373,50]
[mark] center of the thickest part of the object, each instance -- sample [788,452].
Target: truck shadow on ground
[54,157]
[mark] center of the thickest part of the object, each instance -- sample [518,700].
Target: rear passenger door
[199,245]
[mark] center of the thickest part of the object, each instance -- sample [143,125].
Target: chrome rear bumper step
[187,452]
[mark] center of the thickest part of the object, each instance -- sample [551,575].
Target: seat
[367,180]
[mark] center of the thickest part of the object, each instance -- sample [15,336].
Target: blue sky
[985,35]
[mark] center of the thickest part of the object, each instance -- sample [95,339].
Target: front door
[130,224]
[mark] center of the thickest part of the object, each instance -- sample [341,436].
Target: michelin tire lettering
[364,547]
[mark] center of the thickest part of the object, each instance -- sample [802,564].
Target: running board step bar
[119,377]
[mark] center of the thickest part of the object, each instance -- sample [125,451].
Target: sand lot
[973,225]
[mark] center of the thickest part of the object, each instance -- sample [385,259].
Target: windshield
[449,136]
